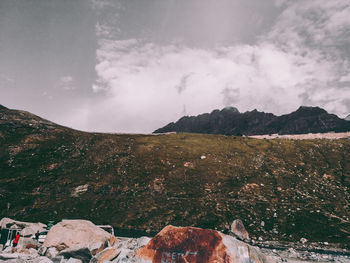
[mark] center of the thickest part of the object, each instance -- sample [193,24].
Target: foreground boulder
[77,234]
[190,244]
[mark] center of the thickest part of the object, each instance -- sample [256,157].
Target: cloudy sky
[135,65]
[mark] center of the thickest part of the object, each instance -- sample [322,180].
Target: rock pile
[27,229]
[80,241]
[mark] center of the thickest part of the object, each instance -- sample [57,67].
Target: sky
[132,66]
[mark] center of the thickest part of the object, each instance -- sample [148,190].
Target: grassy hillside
[281,189]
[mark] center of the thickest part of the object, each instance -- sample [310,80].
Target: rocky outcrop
[76,234]
[230,122]
[190,244]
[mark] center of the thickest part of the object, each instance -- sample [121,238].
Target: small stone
[203,157]
[42,260]
[303,240]
[262,223]
[106,255]
[293,253]
[51,252]
[74,260]
[81,253]
[238,230]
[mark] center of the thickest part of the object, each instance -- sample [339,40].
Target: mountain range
[229,121]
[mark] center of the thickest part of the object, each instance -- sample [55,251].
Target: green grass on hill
[281,189]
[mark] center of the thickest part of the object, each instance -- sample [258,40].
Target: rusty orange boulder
[190,244]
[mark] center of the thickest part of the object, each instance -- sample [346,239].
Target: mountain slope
[230,122]
[281,189]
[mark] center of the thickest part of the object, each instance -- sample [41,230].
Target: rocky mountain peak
[230,121]
[230,109]
[308,110]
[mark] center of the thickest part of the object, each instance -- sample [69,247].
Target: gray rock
[125,255]
[108,254]
[58,259]
[41,260]
[74,260]
[51,252]
[17,260]
[142,241]
[238,230]
[42,251]
[7,250]
[83,254]
[97,247]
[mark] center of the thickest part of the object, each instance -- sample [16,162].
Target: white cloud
[66,83]
[345,78]
[142,80]
[300,61]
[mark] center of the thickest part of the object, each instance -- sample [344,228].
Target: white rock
[79,190]
[303,240]
[7,250]
[51,252]
[142,241]
[76,234]
[33,251]
[124,256]
[7,256]
[42,260]
[293,253]
[74,260]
